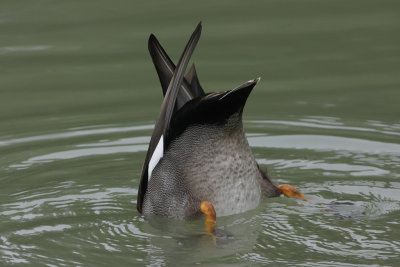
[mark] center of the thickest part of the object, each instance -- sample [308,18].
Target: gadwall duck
[199,160]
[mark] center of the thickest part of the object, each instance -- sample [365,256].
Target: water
[79,95]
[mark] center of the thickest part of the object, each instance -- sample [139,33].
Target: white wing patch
[155,158]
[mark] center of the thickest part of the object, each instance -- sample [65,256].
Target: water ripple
[76,153]
[75,134]
[350,182]
[351,169]
[324,125]
[27,205]
[43,228]
[325,143]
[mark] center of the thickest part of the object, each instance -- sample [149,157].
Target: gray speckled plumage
[206,155]
[213,163]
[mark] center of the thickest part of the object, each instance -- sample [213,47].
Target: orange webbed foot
[208,209]
[291,191]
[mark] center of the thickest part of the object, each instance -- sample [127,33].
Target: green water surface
[79,97]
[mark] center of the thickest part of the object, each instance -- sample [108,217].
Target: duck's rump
[206,162]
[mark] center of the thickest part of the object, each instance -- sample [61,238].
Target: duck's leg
[291,191]
[208,209]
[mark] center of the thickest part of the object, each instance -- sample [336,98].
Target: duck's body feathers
[198,150]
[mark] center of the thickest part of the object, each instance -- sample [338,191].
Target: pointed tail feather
[193,80]
[165,69]
[164,118]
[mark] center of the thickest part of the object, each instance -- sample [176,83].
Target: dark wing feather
[193,80]
[164,118]
[165,69]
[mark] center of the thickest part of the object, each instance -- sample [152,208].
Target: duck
[199,162]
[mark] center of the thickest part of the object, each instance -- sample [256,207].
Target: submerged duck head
[199,160]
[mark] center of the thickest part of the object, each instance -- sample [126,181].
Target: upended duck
[199,160]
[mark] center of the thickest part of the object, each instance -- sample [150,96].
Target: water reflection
[31,48]
[41,229]
[325,143]
[29,206]
[76,153]
[350,182]
[326,124]
[348,169]
[75,133]
[320,143]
